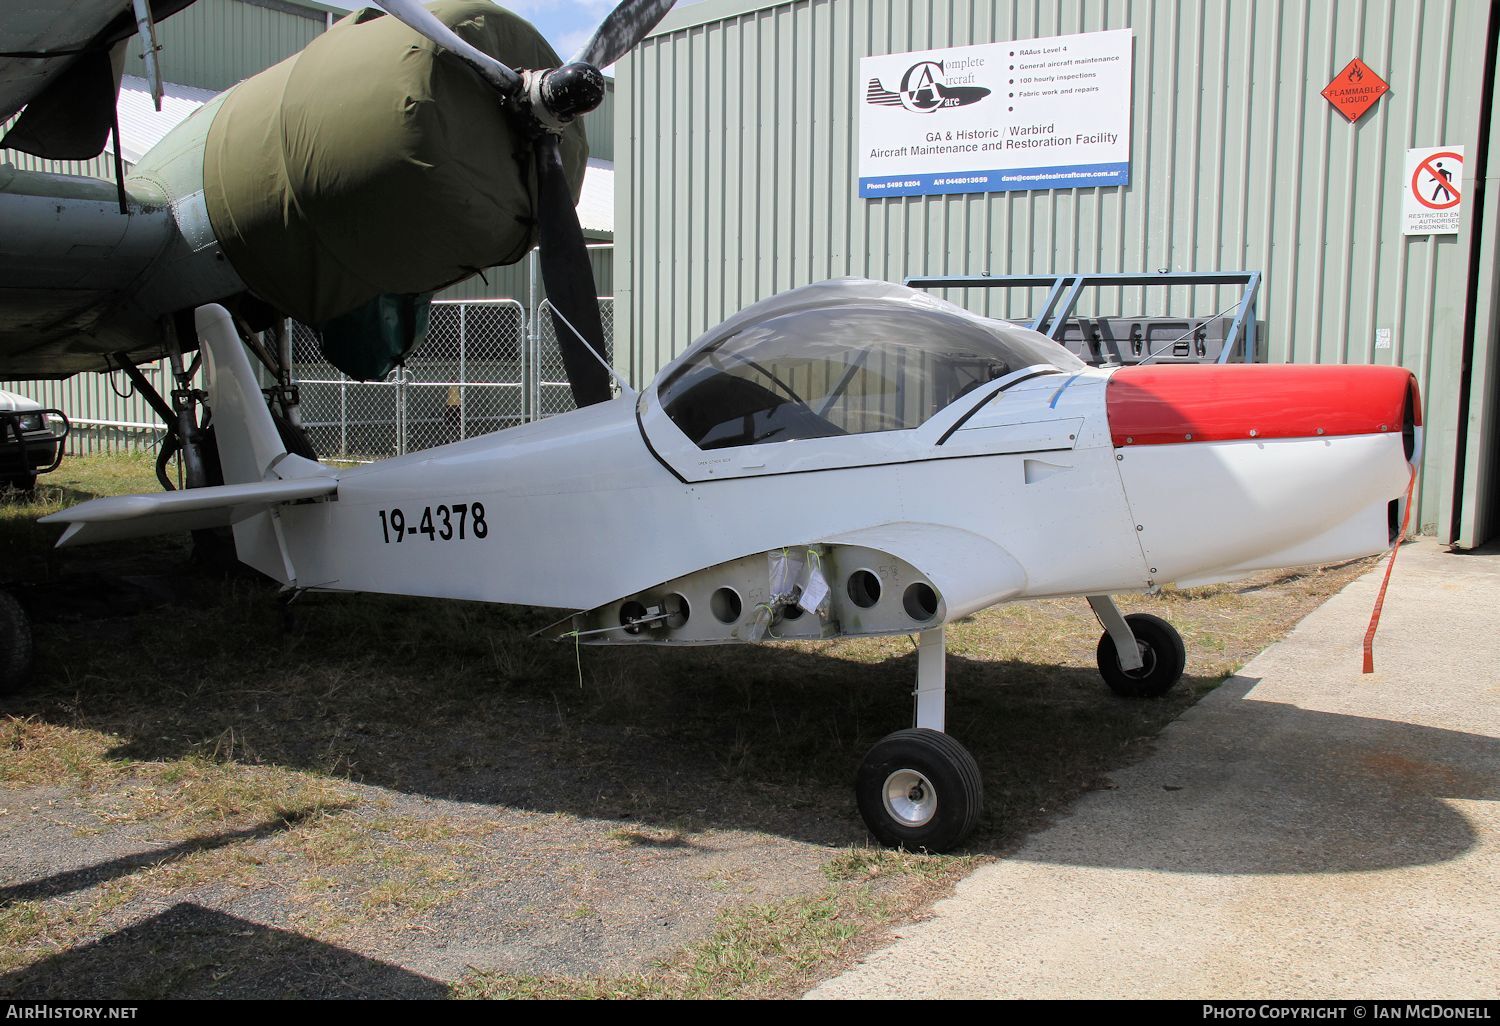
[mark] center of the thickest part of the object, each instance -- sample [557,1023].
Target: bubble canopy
[840,358]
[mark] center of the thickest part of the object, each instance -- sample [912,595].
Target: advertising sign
[1038,114]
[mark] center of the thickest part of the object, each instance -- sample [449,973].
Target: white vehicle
[848,458]
[31,440]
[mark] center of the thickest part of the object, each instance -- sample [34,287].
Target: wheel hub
[1148,661]
[910,798]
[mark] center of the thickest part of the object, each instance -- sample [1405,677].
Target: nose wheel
[1160,656]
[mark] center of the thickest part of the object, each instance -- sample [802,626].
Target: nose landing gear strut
[921,790]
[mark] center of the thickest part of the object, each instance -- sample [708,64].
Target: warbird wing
[61,61]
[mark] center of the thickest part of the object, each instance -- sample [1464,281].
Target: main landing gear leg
[920,789]
[180,416]
[185,402]
[1140,655]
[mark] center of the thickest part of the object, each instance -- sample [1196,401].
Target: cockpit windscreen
[813,373]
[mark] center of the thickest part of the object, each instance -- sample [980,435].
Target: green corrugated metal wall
[514,282]
[738,128]
[215,43]
[102,166]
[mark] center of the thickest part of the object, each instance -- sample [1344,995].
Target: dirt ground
[205,792]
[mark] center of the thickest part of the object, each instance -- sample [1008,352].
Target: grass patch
[214,708]
[192,792]
[881,863]
[26,549]
[764,950]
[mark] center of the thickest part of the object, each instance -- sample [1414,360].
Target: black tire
[15,644]
[941,772]
[23,483]
[292,435]
[1162,651]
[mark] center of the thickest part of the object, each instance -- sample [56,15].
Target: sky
[567,24]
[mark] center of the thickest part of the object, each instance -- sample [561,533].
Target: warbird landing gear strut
[921,789]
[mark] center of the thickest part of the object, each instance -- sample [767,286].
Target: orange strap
[1380,599]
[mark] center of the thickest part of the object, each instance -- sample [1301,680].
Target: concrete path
[1304,831]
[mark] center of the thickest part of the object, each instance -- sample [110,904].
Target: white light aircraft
[847,458]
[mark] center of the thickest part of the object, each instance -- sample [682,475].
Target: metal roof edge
[308,7]
[693,15]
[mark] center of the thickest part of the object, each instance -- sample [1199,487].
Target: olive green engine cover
[374,163]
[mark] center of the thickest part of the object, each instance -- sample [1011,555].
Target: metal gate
[485,365]
[550,391]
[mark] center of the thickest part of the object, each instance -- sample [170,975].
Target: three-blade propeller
[547,100]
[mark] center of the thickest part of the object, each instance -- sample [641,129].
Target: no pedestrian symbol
[1433,187]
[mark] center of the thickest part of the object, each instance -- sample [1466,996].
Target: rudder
[249,444]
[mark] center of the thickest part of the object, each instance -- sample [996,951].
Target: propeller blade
[424,22]
[569,279]
[626,25]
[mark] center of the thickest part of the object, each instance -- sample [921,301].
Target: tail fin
[250,447]
[251,451]
[260,475]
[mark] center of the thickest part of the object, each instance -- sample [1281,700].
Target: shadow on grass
[193,952]
[27,553]
[453,700]
[59,884]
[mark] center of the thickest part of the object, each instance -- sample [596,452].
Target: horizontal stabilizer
[137,516]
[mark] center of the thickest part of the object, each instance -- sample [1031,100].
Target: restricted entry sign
[1433,190]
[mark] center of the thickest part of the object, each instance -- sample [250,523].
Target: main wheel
[919,789]
[23,483]
[1162,654]
[15,644]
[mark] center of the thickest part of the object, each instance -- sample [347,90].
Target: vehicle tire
[920,790]
[293,437]
[1161,650]
[15,644]
[23,483]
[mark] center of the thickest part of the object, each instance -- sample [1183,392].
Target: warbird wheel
[919,789]
[1162,653]
[15,644]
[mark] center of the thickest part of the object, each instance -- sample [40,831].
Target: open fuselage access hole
[921,602]
[726,606]
[864,588]
[629,613]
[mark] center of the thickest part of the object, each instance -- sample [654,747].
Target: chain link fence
[552,393]
[486,365]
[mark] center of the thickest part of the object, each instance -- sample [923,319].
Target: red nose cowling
[1196,403]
